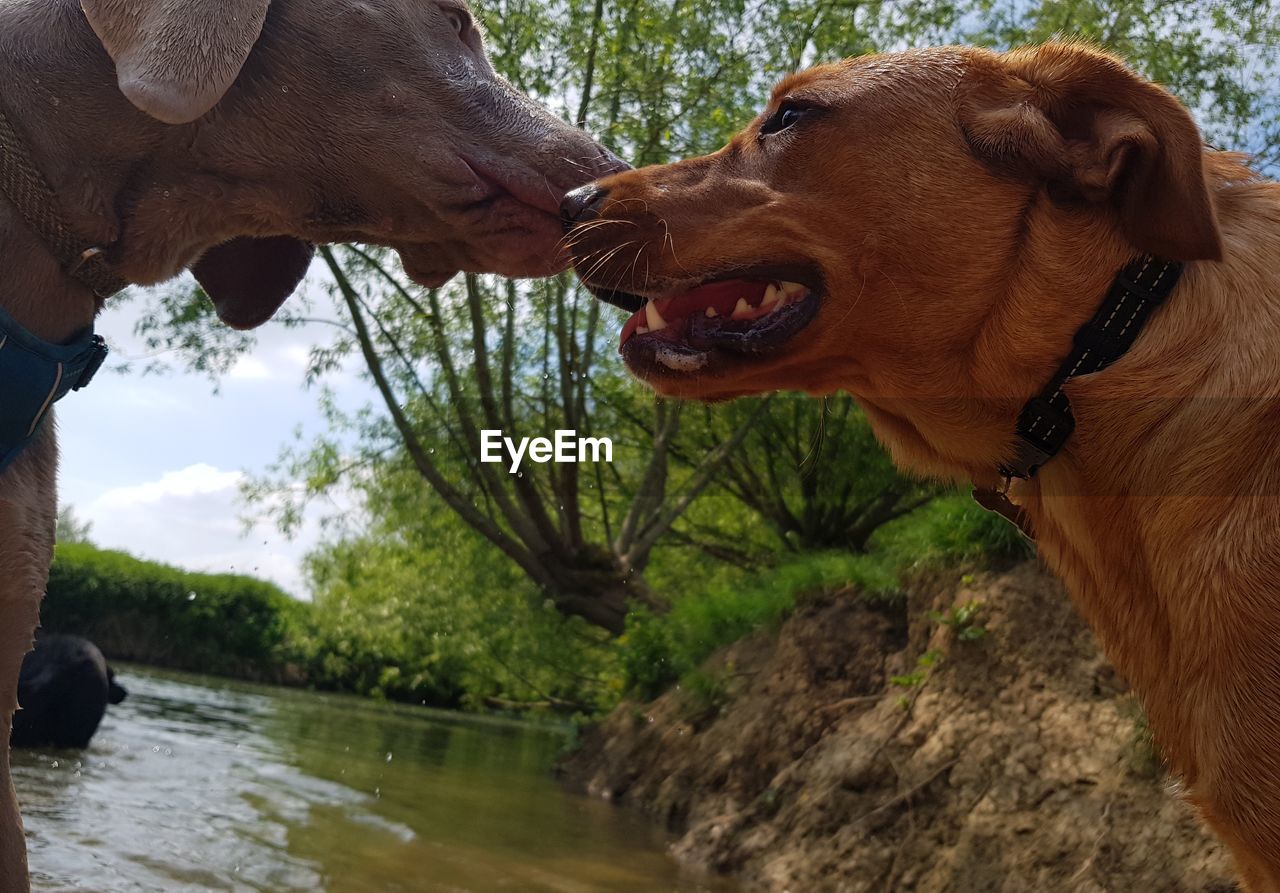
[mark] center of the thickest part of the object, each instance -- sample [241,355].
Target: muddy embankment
[1010,759]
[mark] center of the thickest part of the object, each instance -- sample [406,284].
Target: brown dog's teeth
[742,310]
[654,318]
[794,290]
[772,295]
[712,313]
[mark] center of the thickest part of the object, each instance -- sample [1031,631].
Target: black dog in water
[64,690]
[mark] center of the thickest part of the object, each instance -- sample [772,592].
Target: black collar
[32,197]
[1046,422]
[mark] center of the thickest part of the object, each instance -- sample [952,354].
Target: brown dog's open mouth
[751,314]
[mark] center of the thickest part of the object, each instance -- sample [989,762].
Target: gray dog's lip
[422,265]
[541,195]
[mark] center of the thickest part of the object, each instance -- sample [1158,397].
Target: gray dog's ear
[248,279]
[176,58]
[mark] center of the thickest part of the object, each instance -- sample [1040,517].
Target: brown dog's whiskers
[604,260]
[573,238]
[614,203]
[624,275]
[644,246]
[670,241]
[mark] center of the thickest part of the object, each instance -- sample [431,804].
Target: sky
[155,461]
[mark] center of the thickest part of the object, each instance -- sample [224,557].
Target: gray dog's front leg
[13,848]
[28,511]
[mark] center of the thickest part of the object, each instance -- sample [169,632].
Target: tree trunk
[598,589]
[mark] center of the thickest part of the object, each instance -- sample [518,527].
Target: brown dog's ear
[248,279]
[1096,132]
[176,58]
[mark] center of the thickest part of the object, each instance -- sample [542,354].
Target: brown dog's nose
[582,204]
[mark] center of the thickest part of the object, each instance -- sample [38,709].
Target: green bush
[656,651]
[150,613]
[950,531]
[430,617]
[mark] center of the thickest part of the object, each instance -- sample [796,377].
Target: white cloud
[194,480]
[190,517]
[278,360]
[148,458]
[249,368]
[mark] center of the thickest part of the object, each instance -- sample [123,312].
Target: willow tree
[530,360]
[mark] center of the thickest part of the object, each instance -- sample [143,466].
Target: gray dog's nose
[582,204]
[612,164]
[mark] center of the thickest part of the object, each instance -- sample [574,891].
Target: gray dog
[139,138]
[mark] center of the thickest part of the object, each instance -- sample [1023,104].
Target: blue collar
[34,375]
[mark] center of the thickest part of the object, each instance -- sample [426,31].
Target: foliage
[924,666]
[1144,757]
[952,531]
[656,651]
[811,470]
[70,529]
[140,611]
[962,620]
[424,614]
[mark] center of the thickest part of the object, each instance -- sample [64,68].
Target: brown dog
[928,231]
[226,135]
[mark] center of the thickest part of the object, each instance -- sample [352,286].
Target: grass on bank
[953,531]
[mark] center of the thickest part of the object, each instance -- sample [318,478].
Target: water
[195,785]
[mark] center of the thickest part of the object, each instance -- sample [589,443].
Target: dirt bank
[1013,763]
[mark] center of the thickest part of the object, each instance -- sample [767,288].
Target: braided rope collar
[24,185]
[1046,423]
[35,374]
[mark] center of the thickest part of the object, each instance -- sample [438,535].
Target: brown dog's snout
[582,204]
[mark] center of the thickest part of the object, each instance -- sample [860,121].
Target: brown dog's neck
[1168,446]
[957,417]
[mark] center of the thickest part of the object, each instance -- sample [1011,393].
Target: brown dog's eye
[787,116]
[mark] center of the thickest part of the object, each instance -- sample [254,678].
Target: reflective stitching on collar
[48,401]
[1046,421]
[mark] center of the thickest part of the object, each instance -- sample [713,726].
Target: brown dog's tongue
[248,279]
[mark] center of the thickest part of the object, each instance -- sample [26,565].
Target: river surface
[197,785]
